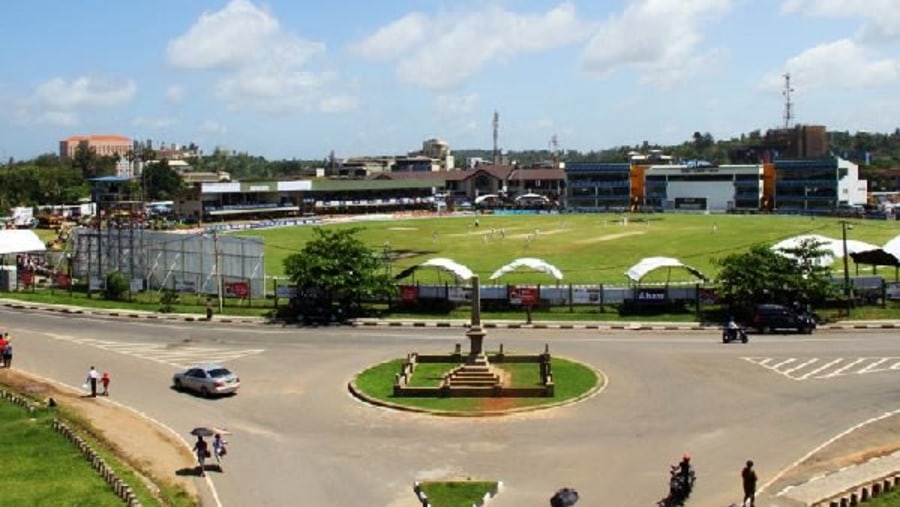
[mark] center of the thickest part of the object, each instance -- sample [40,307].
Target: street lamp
[847,291]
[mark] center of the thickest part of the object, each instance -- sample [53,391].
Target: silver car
[207,379]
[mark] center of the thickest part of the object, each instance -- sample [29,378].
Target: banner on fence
[709,295]
[96,283]
[63,280]
[525,296]
[892,290]
[185,286]
[285,291]
[409,293]
[585,296]
[239,289]
[459,294]
[651,296]
[137,284]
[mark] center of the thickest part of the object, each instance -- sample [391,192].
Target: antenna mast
[496,124]
[788,105]
[554,150]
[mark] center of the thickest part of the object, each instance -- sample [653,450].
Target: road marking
[818,368]
[177,354]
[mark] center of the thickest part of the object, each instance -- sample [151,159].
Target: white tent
[834,248]
[485,197]
[13,241]
[648,264]
[529,262]
[532,197]
[443,263]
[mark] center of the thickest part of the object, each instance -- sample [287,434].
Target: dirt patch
[609,237]
[152,450]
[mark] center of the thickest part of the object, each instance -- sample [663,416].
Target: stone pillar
[475,333]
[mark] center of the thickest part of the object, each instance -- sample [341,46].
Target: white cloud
[658,38]
[262,65]
[460,44]
[840,64]
[156,123]
[392,40]
[455,105]
[59,118]
[881,18]
[212,127]
[59,94]
[338,104]
[175,94]
[236,37]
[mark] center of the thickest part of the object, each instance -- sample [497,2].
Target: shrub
[168,299]
[117,286]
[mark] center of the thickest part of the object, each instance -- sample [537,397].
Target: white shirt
[93,374]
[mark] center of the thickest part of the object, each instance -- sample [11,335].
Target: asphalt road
[301,439]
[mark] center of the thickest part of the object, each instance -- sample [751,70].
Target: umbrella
[203,431]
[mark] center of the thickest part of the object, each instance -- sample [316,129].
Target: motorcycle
[731,334]
[681,483]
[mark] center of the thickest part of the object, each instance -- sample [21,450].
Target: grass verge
[456,493]
[572,380]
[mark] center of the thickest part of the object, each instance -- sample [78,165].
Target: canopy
[888,255]
[450,265]
[532,196]
[529,262]
[482,198]
[648,264]
[834,248]
[13,241]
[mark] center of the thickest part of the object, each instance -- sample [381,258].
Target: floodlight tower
[788,105]
[496,125]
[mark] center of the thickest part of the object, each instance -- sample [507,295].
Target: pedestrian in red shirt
[104,381]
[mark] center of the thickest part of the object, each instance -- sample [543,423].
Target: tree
[334,272]
[762,275]
[161,183]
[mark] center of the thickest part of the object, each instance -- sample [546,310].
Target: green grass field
[587,248]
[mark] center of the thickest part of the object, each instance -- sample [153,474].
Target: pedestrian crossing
[817,368]
[180,355]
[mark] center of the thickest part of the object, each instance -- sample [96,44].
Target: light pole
[847,291]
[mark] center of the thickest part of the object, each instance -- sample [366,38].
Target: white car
[207,379]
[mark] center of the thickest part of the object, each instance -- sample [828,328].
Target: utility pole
[217,266]
[847,290]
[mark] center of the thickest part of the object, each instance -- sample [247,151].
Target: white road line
[872,368]
[787,361]
[801,366]
[821,368]
[840,371]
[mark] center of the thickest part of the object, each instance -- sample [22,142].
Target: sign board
[137,284]
[185,286]
[525,296]
[585,295]
[409,293]
[459,294]
[709,296]
[285,291]
[892,290]
[651,296]
[239,289]
[691,203]
[96,283]
[63,280]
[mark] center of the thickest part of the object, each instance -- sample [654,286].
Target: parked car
[207,379]
[770,317]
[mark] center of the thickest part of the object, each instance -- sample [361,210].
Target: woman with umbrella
[201,448]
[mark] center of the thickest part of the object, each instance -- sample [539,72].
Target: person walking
[104,381]
[209,310]
[92,377]
[4,339]
[748,478]
[219,448]
[7,353]
[201,449]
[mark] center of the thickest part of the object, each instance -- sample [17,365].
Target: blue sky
[297,79]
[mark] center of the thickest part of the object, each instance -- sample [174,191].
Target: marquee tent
[442,263]
[834,248]
[888,255]
[14,241]
[648,264]
[529,262]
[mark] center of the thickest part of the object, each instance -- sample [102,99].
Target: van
[770,317]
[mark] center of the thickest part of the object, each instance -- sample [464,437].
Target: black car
[770,317]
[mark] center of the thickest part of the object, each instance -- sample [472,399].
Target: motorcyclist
[685,476]
[732,328]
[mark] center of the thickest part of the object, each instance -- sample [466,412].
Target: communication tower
[554,150]
[496,124]
[788,105]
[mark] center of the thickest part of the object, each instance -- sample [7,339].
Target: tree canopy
[335,271]
[762,275]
